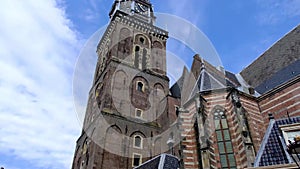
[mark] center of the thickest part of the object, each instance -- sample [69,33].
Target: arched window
[223,139]
[138,142]
[140,86]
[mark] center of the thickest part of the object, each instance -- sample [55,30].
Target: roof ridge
[271,46]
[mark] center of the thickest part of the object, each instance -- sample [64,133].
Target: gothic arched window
[223,139]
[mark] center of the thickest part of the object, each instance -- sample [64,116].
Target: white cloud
[38,50]
[292,8]
[274,12]
[91,12]
[192,10]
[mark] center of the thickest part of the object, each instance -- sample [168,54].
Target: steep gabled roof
[163,161]
[281,55]
[211,78]
[206,78]
[232,78]
[282,76]
[273,148]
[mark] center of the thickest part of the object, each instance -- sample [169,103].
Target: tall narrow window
[140,86]
[136,59]
[137,142]
[224,142]
[136,159]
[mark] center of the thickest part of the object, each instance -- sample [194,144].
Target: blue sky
[41,40]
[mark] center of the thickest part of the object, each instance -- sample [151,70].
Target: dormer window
[290,131]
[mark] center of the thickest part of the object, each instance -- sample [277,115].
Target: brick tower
[126,119]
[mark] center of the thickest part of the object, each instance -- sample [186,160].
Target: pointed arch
[114,128]
[223,138]
[218,107]
[138,133]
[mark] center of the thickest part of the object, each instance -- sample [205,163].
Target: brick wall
[213,101]
[255,120]
[281,101]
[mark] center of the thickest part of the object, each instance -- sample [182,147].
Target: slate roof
[282,76]
[209,81]
[280,55]
[232,77]
[163,161]
[273,147]
[176,88]
[210,78]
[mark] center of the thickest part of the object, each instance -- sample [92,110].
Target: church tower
[126,119]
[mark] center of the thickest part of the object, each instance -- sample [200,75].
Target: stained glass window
[224,142]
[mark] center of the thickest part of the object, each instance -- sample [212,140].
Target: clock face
[139,8]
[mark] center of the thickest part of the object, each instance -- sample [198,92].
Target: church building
[209,119]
